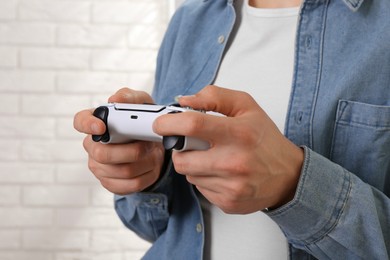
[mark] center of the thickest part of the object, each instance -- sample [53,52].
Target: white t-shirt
[259,60]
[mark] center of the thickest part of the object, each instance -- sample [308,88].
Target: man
[323,185]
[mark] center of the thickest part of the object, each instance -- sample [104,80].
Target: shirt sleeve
[334,214]
[147,213]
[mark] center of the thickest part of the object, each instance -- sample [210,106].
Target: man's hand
[250,165]
[121,168]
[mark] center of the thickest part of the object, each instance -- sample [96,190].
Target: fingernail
[178,97]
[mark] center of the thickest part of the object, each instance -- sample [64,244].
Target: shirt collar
[352,4]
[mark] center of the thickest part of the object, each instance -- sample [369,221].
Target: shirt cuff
[321,195]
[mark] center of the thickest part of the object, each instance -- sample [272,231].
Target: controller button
[173,142]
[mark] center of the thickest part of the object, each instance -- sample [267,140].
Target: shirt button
[155,201]
[221,39]
[198,227]
[299,117]
[308,42]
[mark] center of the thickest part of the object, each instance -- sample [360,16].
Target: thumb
[225,101]
[126,95]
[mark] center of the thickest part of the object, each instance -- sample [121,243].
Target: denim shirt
[339,111]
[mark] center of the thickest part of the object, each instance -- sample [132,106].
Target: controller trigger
[174,112]
[102,113]
[173,142]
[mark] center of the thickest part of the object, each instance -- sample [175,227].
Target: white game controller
[130,122]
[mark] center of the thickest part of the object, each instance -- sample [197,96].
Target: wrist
[291,178]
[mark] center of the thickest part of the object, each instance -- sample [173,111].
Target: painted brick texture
[56,58]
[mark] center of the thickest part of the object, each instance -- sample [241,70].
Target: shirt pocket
[361,141]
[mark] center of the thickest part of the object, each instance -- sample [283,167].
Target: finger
[206,127]
[118,171]
[117,153]
[126,95]
[85,122]
[124,187]
[206,163]
[225,101]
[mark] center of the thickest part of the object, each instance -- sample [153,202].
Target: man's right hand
[120,168]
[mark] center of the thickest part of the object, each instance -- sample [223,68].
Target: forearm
[334,214]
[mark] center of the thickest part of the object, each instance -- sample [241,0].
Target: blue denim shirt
[339,111]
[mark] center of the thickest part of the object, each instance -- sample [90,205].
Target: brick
[99,99]
[91,82]
[144,12]
[9,195]
[53,151]
[27,81]
[87,218]
[124,60]
[26,173]
[146,36]
[21,217]
[11,150]
[53,105]
[9,57]
[54,58]
[10,239]
[56,239]
[54,11]
[55,195]
[142,81]
[9,104]
[101,197]
[17,127]
[8,9]
[76,173]
[92,35]
[59,57]
[31,255]
[121,239]
[91,256]
[65,129]
[27,33]
[134,254]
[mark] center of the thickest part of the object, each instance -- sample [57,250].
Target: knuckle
[157,156]
[196,123]
[107,184]
[101,154]
[228,206]
[75,121]
[85,143]
[210,90]
[92,166]
[157,124]
[240,167]
[240,190]
[143,97]
[244,95]
[180,165]
[137,151]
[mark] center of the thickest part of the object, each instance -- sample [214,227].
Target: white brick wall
[56,58]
